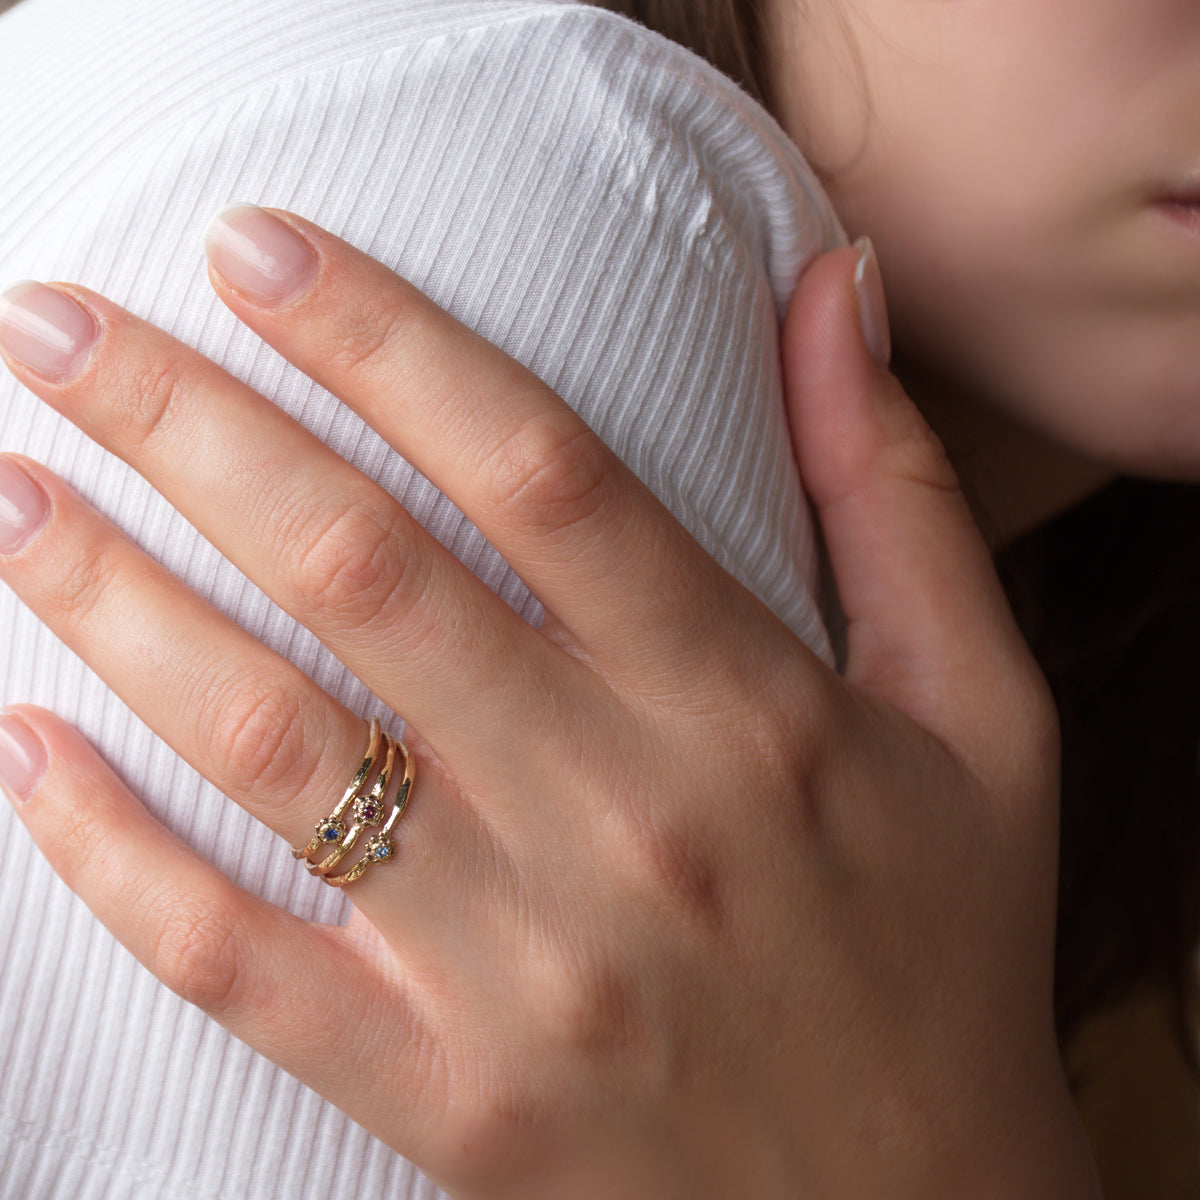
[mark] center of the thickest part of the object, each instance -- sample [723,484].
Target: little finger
[249,965]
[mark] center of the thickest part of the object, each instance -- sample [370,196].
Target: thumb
[928,626]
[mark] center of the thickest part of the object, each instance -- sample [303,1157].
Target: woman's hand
[676,911]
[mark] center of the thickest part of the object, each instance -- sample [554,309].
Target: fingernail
[23,507]
[259,256]
[22,757]
[872,306]
[46,331]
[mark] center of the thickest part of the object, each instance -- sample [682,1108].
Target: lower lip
[1185,214]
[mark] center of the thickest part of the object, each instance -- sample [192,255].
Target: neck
[1014,478]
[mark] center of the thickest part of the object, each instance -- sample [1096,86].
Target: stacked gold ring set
[363,806]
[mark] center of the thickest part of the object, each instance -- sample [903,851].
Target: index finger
[589,539]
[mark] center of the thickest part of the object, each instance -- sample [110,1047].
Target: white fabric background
[599,203]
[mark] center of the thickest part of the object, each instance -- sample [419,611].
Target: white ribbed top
[596,201]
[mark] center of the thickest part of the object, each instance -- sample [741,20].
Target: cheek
[1042,288]
[926,143]
[1003,169]
[1100,371]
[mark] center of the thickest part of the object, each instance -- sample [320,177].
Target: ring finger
[248,720]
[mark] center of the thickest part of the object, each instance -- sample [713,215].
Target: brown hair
[726,32]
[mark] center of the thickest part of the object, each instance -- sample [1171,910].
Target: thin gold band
[380,847]
[330,831]
[370,806]
[368,810]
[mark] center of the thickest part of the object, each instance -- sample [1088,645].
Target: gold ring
[368,811]
[330,831]
[380,847]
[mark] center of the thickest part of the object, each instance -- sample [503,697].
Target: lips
[1182,205]
[1185,213]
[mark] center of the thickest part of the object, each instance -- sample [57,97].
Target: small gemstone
[369,812]
[381,851]
[329,831]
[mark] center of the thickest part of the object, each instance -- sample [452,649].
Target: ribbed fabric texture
[596,201]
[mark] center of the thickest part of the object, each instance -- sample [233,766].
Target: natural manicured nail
[259,255]
[47,331]
[872,306]
[23,507]
[22,757]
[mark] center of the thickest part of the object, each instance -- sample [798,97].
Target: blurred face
[1030,172]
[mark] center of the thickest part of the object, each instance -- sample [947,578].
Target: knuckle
[551,474]
[794,738]
[914,452]
[152,395]
[666,865]
[367,336]
[197,953]
[256,731]
[587,1011]
[82,846]
[346,570]
[89,577]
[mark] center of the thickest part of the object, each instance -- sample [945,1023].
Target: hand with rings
[673,910]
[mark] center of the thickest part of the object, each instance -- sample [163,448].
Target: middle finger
[329,545]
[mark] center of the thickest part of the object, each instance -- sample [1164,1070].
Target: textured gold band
[370,807]
[368,810]
[380,847]
[331,830]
